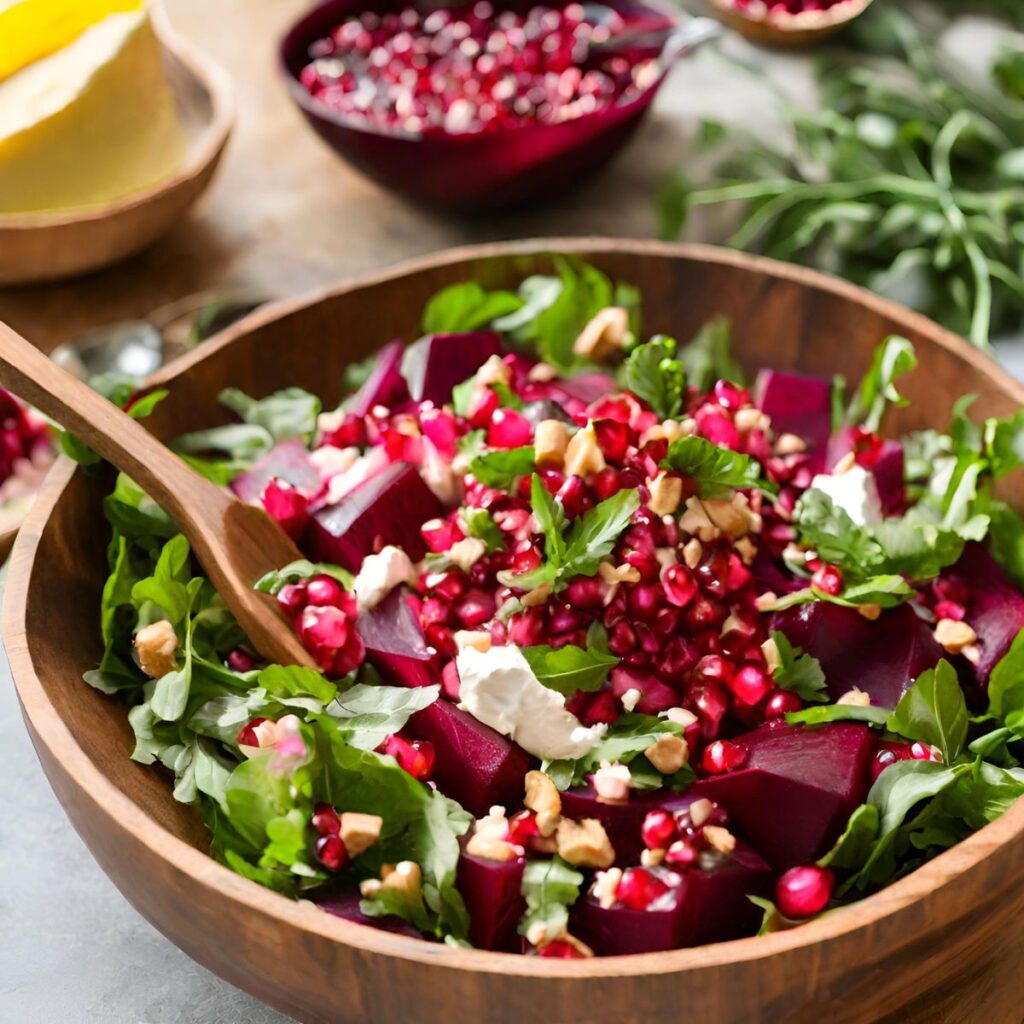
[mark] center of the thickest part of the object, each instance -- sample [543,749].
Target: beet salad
[618,651]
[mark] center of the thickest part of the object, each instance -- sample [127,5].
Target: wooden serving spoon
[235,543]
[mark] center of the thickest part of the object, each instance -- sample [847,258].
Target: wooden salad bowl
[941,945]
[38,247]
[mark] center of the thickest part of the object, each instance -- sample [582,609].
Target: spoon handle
[111,433]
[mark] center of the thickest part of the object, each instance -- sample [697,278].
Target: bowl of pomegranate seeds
[26,454]
[667,652]
[478,106]
[795,23]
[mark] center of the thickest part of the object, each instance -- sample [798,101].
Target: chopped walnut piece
[870,611]
[700,811]
[156,645]
[718,838]
[746,549]
[490,848]
[763,602]
[680,716]
[770,650]
[550,441]
[604,335]
[693,552]
[584,844]
[494,371]
[855,698]
[666,494]
[359,831]
[536,597]
[467,552]
[543,798]
[583,454]
[749,419]
[652,858]
[789,444]
[606,887]
[613,574]
[541,373]
[695,520]
[668,753]
[954,636]
[845,464]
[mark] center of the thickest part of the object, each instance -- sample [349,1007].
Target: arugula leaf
[885,591]
[825,713]
[716,470]
[549,887]
[892,359]
[853,847]
[479,523]
[1006,683]
[467,307]
[933,711]
[501,467]
[551,518]
[293,572]
[708,357]
[798,671]
[373,713]
[569,669]
[654,374]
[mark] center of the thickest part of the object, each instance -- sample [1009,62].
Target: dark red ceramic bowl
[479,171]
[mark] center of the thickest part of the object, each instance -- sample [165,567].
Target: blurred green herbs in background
[908,179]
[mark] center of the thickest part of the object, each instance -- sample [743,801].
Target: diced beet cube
[769,575]
[394,642]
[797,789]
[434,365]
[344,903]
[887,469]
[622,821]
[881,657]
[289,461]
[798,404]
[492,891]
[385,385]
[386,509]
[995,607]
[475,765]
[709,904]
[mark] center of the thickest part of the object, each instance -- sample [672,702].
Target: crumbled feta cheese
[612,783]
[630,699]
[330,462]
[379,575]
[854,492]
[499,689]
[437,473]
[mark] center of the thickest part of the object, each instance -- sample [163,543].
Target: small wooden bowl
[38,247]
[941,945]
[795,31]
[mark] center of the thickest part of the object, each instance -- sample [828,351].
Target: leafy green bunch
[908,179]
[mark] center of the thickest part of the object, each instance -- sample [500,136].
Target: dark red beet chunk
[385,385]
[882,658]
[289,461]
[492,891]
[344,903]
[995,607]
[622,821]
[475,765]
[709,905]
[394,642]
[793,796]
[887,469]
[798,404]
[386,509]
[435,364]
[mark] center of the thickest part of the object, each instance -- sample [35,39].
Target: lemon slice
[91,123]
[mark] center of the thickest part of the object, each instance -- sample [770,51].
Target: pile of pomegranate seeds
[470,69]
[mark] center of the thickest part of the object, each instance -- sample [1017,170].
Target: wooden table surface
[286,215]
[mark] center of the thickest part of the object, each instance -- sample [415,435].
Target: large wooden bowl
[942,945]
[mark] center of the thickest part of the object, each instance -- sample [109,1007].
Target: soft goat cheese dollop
[379,575]
[498,688]
[854,492]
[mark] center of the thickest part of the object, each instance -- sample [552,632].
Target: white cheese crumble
[854,492]
[499,689]
[379,575]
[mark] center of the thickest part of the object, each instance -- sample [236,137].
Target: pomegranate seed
[828,579]
[658,830]
[680,586]
[476,608]
[292,598]
[722,756]
[560,950]
[638,889]
[240,660]
[803,892]
[717,427]
[867,447]
[414,756]
[950,610]
[606,483]
[325,820]
[523,828]
[575,497]
[287,506]
[730,396]
[323,590]
[509,429]
[331,852]
[247,737]
[750,684]
[351,433]
[924,752]
[527,629]
[781,703]
[644,601]
[449,586]
[613,438]
[435,610]
[711,706]
[713,668]
[450,681]
[682,854]
[440,534]
[586,592]
[603,708]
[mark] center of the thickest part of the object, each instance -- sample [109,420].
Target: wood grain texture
[795,33]
[939,946]
[38,247]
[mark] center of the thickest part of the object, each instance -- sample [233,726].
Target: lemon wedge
[31,29]
[90,123]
